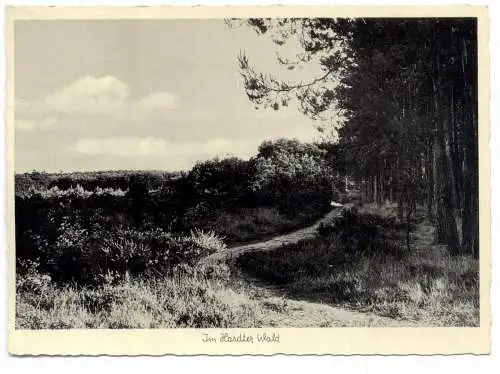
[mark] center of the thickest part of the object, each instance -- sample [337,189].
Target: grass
[426,285]
[253,224]
[191,298]
[199,296]
[207,240]
[178,302]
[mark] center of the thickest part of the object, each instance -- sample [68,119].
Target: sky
[141,94]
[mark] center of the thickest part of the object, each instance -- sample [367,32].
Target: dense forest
[406,92]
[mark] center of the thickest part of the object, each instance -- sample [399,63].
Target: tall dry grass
[194,297]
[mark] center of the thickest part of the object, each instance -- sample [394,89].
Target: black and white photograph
[236,172]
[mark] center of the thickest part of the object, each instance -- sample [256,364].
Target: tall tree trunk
[389,187]
[399,188]
[470,221]
[451,177]
[430,169]
[445,218]
[440,235]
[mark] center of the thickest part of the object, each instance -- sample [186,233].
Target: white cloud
[98,124]
[90,95]
[25,125]
[104,96]
[149,146]
[125,146]
[30,125]
[47,123]
[158,100]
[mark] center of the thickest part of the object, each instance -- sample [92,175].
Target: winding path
[283,311]
[278,241]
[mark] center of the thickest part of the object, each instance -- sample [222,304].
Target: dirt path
[277,241]
[280,310]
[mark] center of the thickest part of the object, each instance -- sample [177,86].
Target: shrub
[364,234]
[222,183]
[138,197]
[244,225]
[199,215]
[97,255]
[29,278]
[247,224]
[209,241]
[289,262]
[293,176]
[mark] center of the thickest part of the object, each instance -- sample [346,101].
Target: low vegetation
[190,297]
[360,262]
[122,284]
[373,273]
[256,224]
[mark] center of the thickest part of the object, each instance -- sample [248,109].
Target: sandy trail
[283,311]
[277,241]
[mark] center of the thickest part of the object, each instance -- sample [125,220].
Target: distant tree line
[90,181]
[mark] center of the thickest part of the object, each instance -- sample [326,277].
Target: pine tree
[403,93]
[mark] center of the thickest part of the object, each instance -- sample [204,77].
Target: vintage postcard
[248,180]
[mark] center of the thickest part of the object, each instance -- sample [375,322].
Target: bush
[209,241]
[96,255]
[293,176]
[244,225]
[29,278]
[222,183]
[364,234]
[200,215]
[285,264]
[346,239]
